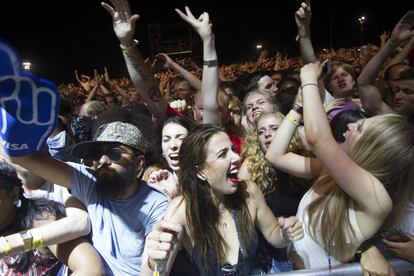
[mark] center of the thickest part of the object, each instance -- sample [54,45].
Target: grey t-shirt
[119,227]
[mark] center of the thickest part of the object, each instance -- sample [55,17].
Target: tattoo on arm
[138,67]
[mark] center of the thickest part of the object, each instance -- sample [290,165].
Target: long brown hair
[202,213]
[386,150]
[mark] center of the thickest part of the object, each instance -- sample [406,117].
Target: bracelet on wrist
[298,108]
[183,73]
[292,120]
[37,241]
[155,266]
[27,240]
[210,63]
[315,84]
[6,247]
[300,36]
[126,49]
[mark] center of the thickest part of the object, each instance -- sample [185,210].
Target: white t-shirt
[50,191]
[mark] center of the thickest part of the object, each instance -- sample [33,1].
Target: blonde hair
[265,95]
[386,150]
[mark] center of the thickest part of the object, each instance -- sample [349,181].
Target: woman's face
[266,130]
[256,104]
[171,139]
[267,85]
[354,133]
[222,165]
[342,83]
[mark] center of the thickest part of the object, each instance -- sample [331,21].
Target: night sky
[60,36]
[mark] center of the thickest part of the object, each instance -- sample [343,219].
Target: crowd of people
[279,164]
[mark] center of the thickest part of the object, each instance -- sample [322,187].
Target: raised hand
[122,19]
[162,60]
[29,106]
[310,73]
[404,28]
[303,18]
[164,182]
[201,25]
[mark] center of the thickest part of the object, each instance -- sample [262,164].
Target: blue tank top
[247,263]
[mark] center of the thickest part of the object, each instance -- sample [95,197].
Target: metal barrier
[352,269]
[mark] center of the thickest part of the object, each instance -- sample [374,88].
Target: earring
[18,203]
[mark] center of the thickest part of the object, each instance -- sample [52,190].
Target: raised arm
[124,27]
[365,189]
[209,85]
[403,54]
[370,95]
[168,63]
[291,163]
[303,18]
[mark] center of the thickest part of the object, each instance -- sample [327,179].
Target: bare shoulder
[244,171]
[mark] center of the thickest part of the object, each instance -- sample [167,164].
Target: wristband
[210,63]
[37,239]
[183,73]
[6,246]
[309,84]
[298,108]
[299,36]
[27,240]
[292,120]
[126,49]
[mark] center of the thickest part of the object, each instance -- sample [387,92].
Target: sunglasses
[114,154]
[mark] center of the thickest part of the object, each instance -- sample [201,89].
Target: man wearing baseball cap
[122,208]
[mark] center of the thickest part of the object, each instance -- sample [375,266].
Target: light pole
[362,21]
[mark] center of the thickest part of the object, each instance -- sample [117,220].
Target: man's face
[394,76]
[116,169]
[404,98]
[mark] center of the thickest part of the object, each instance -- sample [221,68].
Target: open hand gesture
[122,19]
[404,28]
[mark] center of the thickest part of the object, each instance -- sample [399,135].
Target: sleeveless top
[246,264]
[313,253]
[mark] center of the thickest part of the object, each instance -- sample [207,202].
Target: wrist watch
[27,240]
[298,108]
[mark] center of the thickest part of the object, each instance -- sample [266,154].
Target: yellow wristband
[293,120]
[6,246]
[37,239]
